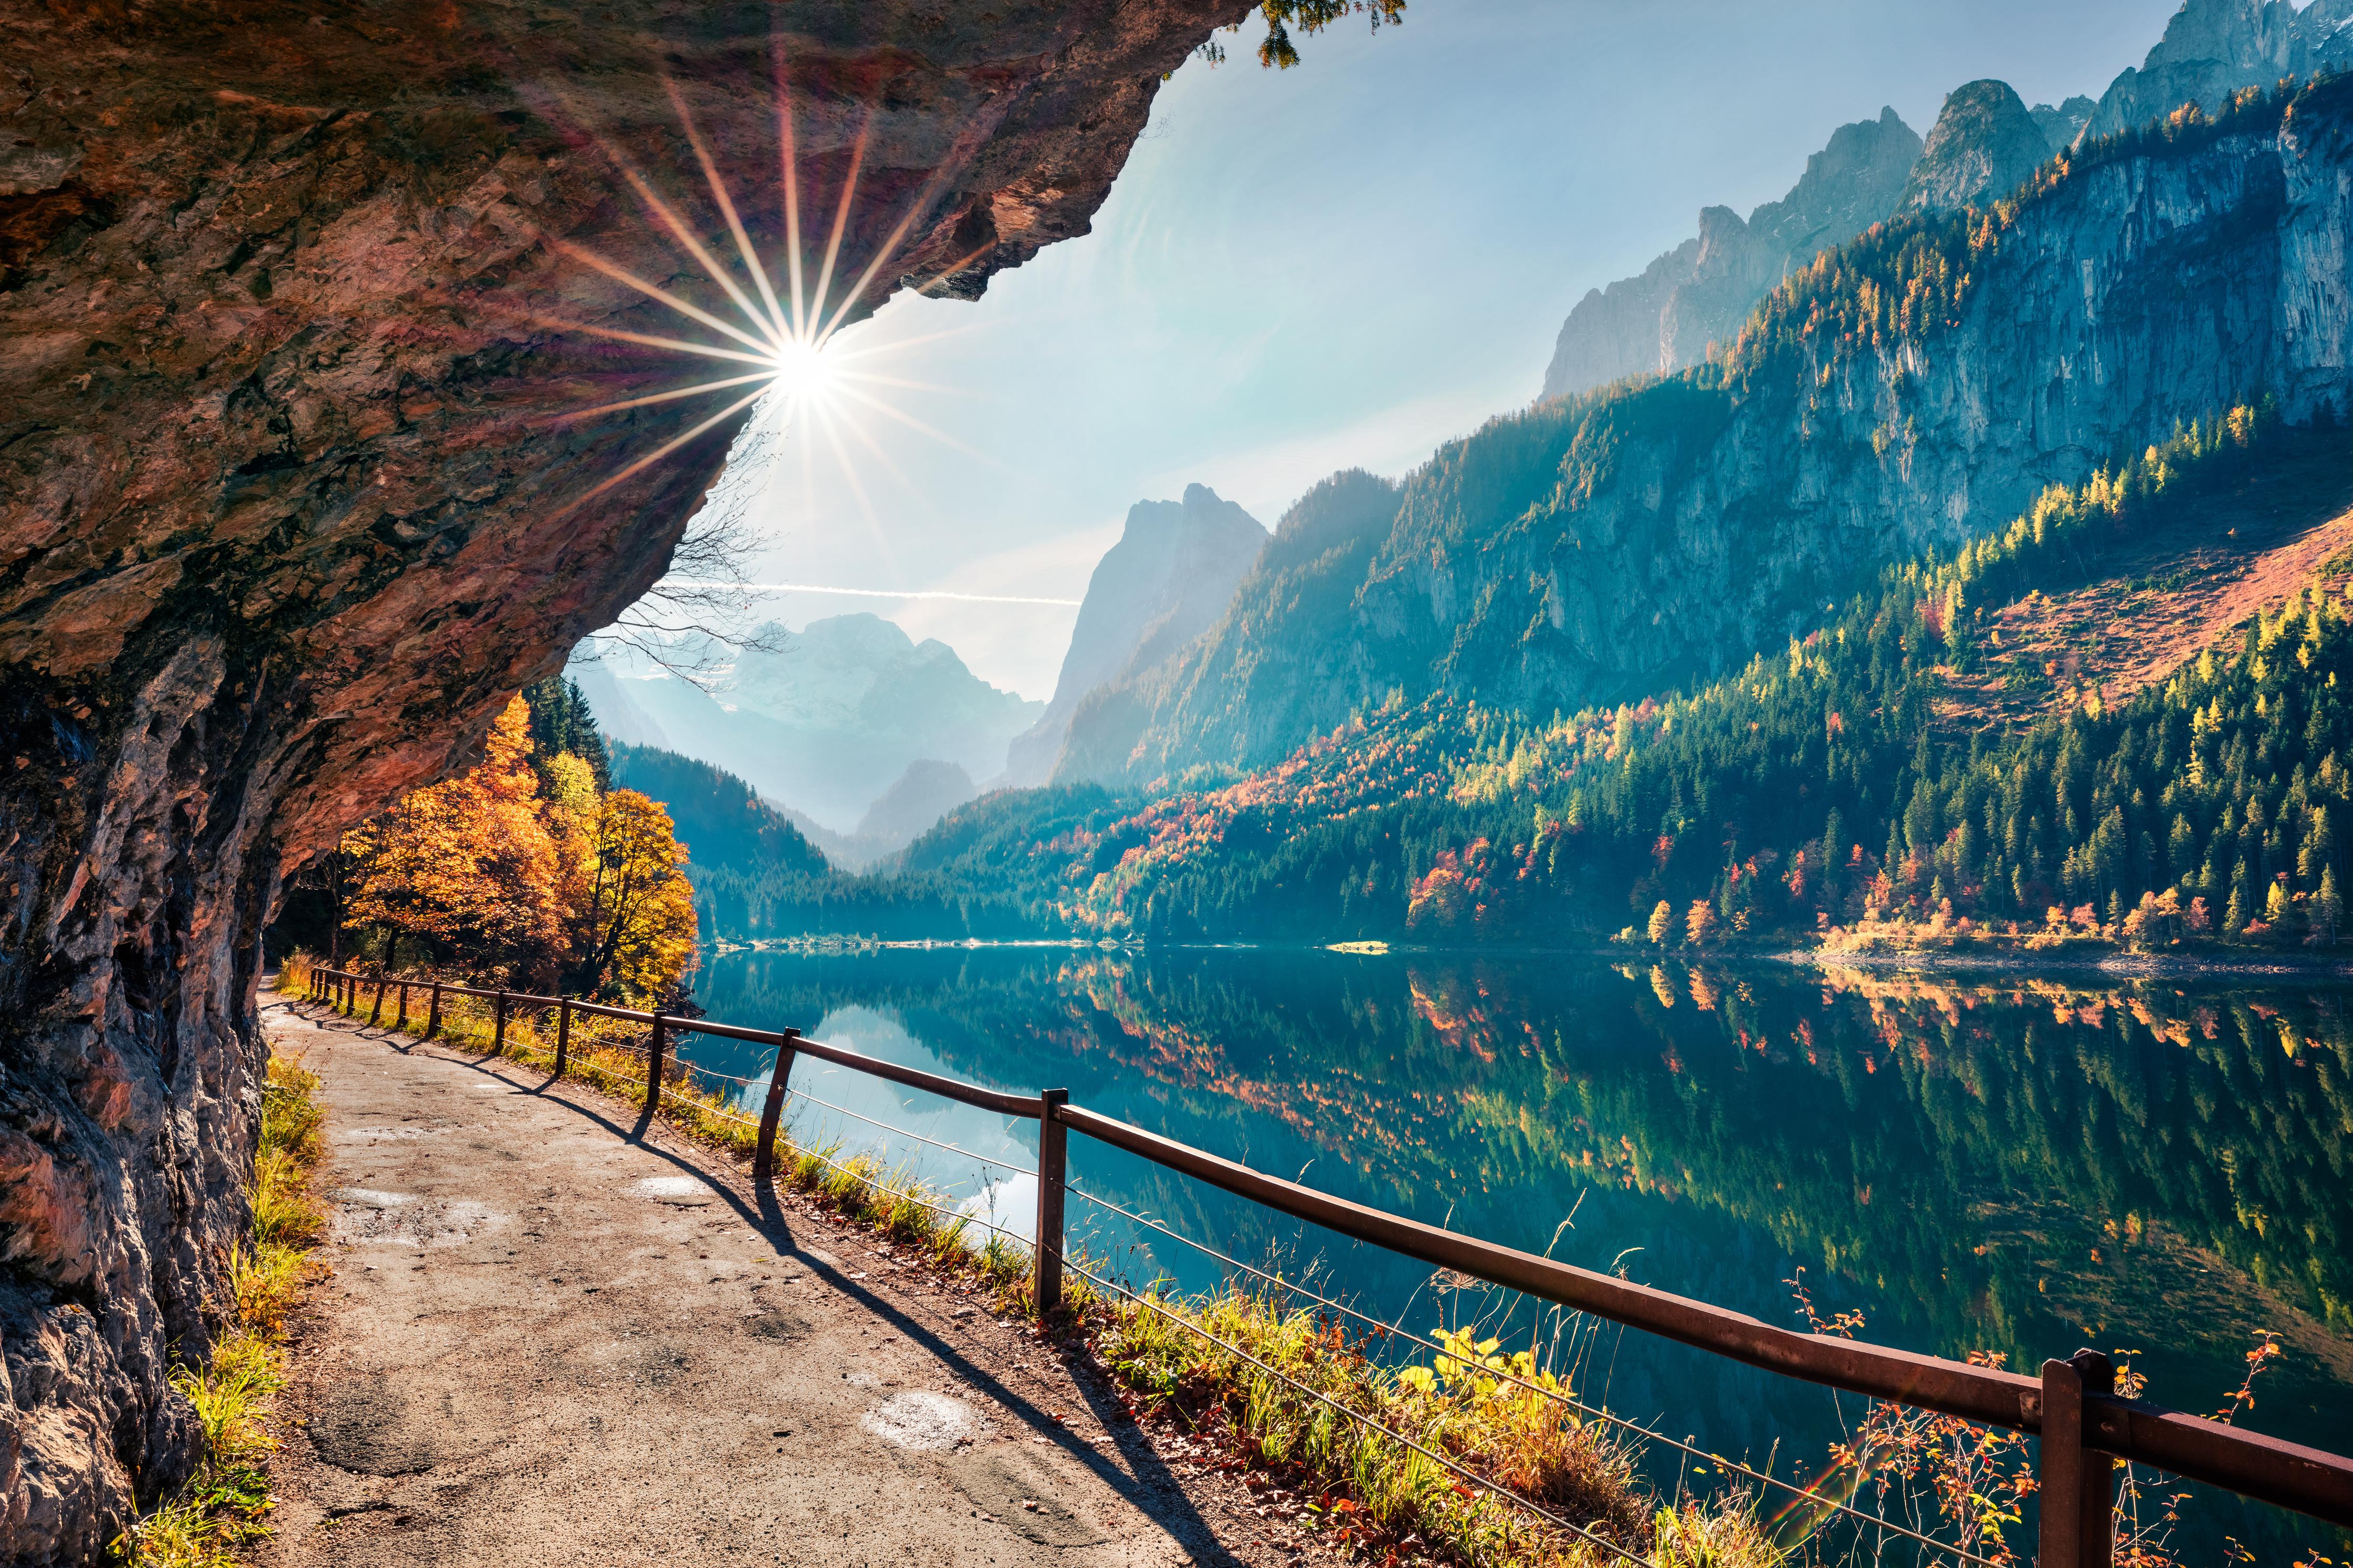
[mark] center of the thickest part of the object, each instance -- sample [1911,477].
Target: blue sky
[1344,265]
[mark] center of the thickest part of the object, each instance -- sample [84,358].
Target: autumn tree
[633,929]
[465,866]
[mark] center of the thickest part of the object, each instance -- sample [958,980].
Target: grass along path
[227,1504]
[1227,1378]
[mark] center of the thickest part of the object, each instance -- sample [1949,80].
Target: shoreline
[2112,963]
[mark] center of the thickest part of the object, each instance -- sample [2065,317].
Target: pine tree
[2327,908]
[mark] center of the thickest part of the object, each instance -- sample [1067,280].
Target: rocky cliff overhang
[295,306]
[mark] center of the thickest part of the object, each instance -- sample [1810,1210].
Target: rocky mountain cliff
[827,721]
[2212,48]
[1895,398]
[1162,585]
[1984,142]
[1983,146]
[1697,294]
[294,495]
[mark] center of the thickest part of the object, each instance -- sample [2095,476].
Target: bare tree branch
[700,616]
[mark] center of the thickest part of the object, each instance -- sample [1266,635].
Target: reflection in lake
[2015,1165]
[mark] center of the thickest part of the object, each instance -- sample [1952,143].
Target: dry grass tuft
[227,1504]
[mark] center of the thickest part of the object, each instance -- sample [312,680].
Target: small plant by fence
[2085,1424]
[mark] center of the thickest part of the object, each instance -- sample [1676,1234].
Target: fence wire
[1872,1521]
[1472,1476]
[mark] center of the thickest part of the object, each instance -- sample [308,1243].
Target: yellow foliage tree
[561,885]
[634,931]
[467,864]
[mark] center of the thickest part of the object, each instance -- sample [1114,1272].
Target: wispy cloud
[885,593]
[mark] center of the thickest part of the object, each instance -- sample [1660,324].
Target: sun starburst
[776,335]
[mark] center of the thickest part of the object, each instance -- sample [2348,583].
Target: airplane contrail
[883,593]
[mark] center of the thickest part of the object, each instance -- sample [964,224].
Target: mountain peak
[1983,145]
[1162,584]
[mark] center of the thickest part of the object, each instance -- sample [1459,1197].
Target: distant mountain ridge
[724,824]
[1162,584]
[1664,318]
[1696,294]
[828,723]
[1898,396]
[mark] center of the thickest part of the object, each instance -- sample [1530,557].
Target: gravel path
[554,1336]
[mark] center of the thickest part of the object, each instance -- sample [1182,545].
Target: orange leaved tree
[633,921]
[465,866]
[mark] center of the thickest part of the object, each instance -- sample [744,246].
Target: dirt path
[552,1336]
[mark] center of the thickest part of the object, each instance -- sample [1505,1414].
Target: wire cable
[1534,1507]
[902,1133]
[1873,1520]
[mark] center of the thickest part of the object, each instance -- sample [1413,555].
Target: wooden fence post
[2078,1483]
[563,1032]
[654,1063]
[498,1024]
[375,1014]
[401,1023]
[764,1153]
[433,1012]
[1052,1149]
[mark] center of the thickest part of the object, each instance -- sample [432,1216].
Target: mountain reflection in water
[2008,1164]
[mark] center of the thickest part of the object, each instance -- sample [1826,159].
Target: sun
[778,340]
[803,371]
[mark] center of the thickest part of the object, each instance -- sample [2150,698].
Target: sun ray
[844,356]
[672,397]
[857,488]
[665,450]
[866,439]
[652,291]
[838,374]
[913,423]
[840,219]
[743,247]
[647,340]
[953,267]
[694,248]
[787,153]
[924,198]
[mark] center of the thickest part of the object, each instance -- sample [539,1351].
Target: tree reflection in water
[1975,1162]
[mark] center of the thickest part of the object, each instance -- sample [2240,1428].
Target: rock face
[1164,584]
[1700,292]
[1984,145]
[291,499]
[2212,48]
[827,721]
[1591,547]
[1242,682]
[2062,125]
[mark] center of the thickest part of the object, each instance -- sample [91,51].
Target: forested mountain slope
[1900,396]
[1939,748]
[1836,782]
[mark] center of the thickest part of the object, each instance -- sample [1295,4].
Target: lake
[2014,1165]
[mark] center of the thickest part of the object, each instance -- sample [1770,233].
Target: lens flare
[778,341]
[802,369]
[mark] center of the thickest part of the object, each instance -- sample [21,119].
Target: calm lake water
[2021,1166]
